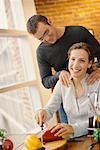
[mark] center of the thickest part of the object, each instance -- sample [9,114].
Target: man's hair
[85,47]
[33,22]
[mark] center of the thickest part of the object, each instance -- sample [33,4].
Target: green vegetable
[2,133]
[96,135]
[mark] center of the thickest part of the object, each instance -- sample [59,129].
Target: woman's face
[78,63]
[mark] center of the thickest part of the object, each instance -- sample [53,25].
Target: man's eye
[73,59]
[46,33]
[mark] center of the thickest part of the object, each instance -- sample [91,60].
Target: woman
[77,97]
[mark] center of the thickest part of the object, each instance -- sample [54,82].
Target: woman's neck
[78,80]
[77,83]
[78,87]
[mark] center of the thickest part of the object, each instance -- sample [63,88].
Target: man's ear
[49,21]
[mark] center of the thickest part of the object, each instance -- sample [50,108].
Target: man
[55,42]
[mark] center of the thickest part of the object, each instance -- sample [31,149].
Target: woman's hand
[41,116]
[64,77]
[62,129]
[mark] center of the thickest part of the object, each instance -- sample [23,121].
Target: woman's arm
[54,101]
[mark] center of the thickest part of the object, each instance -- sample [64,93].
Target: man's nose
[45,39]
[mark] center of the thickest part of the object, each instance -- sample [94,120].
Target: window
[19,94]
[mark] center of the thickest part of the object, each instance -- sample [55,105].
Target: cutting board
[56,145]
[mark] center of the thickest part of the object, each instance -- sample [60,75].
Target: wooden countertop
[81,143]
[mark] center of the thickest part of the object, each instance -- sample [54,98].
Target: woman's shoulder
[63,87]
[95,86]
[60,85]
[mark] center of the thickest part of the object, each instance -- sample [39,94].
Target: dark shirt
[55,55]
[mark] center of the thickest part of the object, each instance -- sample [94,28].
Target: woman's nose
[76,64]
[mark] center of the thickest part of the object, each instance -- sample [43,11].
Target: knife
[42,132]
[42,127]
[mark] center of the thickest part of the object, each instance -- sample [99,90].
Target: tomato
[7,144]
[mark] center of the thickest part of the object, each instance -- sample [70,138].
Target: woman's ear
[90,64]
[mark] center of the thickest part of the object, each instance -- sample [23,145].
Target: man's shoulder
[43,50]
[75,27]
[41,47]
[78,33]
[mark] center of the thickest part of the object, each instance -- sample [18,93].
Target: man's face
[46,33]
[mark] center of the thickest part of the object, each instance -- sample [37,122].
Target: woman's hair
[33,22]
[87,48]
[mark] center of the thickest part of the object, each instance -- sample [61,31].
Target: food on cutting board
[32,142]
[49,137]
[42,142]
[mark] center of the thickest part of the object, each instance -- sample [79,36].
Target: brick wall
[72,12]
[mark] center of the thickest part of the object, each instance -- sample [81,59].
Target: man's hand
[64,77]
[95,75]
[41,116]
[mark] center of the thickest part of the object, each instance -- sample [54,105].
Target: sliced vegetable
[33,143]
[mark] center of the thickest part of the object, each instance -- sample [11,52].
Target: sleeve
[80,128]
[90,39]
[54,101]
[48,80]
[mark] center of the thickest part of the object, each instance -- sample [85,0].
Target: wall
[72,12]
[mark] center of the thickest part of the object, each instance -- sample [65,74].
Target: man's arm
[90,39]
[94,76]
[48,79]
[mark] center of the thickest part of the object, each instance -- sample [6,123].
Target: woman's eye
[82,60]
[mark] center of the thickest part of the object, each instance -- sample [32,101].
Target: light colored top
[79,109]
